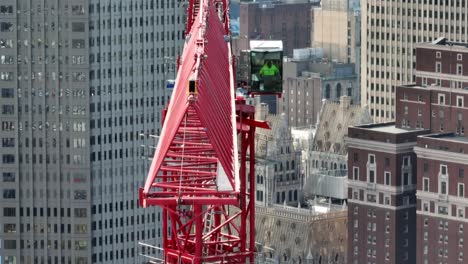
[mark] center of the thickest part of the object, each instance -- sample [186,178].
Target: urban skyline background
[84,83]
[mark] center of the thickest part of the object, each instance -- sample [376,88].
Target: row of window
[281,196]
[117,7]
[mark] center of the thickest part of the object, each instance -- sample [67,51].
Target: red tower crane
[198,175]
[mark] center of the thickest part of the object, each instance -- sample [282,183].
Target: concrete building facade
[337,30]
[308,81]
[80,81]
[289,21]
[390,31]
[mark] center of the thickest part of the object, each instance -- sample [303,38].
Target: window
[78,10]
[9,194]
[8,109]
[9,244]
[461,212]
[460,101]
[461,190]
[78,27]
[438,54]
[443,187]
[4,59]
[7,93]
[80,195]
[9,228]
[9,212]
[8,159]
[387,200]
[443,170]
[443,210]
[6,27]
[371,198]
[81,245]
[6,9]
[425,206]
[406,179]
[459,57]
[459,69]
[78,43]
[356,173]
[371,178]
[426,184]
[442,99]
[406,161]
[371,159]
[6,43]
[387,178]
[438,66]
[8,177]
[80,212]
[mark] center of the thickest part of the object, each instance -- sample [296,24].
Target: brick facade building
[406,179]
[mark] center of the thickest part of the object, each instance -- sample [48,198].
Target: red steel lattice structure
[198,173]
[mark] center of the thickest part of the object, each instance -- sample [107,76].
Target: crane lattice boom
[198,173]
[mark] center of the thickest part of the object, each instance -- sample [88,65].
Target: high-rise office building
[337,30]
[80,82]
[389,31]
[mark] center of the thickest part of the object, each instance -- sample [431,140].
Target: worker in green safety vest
[269,75]
[269,70]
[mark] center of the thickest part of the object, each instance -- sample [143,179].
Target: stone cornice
[446,156]
[372,145]
[394,190]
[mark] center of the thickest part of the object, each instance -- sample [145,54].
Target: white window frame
[355,177]
[458,190]
[371,167]
[438,67]
[428,184]
[462,99]
[407,158]
[459,69]
[446,206]
[462,210]
[441,96]
[387,198]
[446,170]
[440,186]
[426,204]
[424,81]
[459,57]
[389,178]
[438,54]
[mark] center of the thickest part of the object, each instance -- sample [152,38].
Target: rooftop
[386,128]
[334,119]
[389,129]
[436,88]
[444,42]
[448,137]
